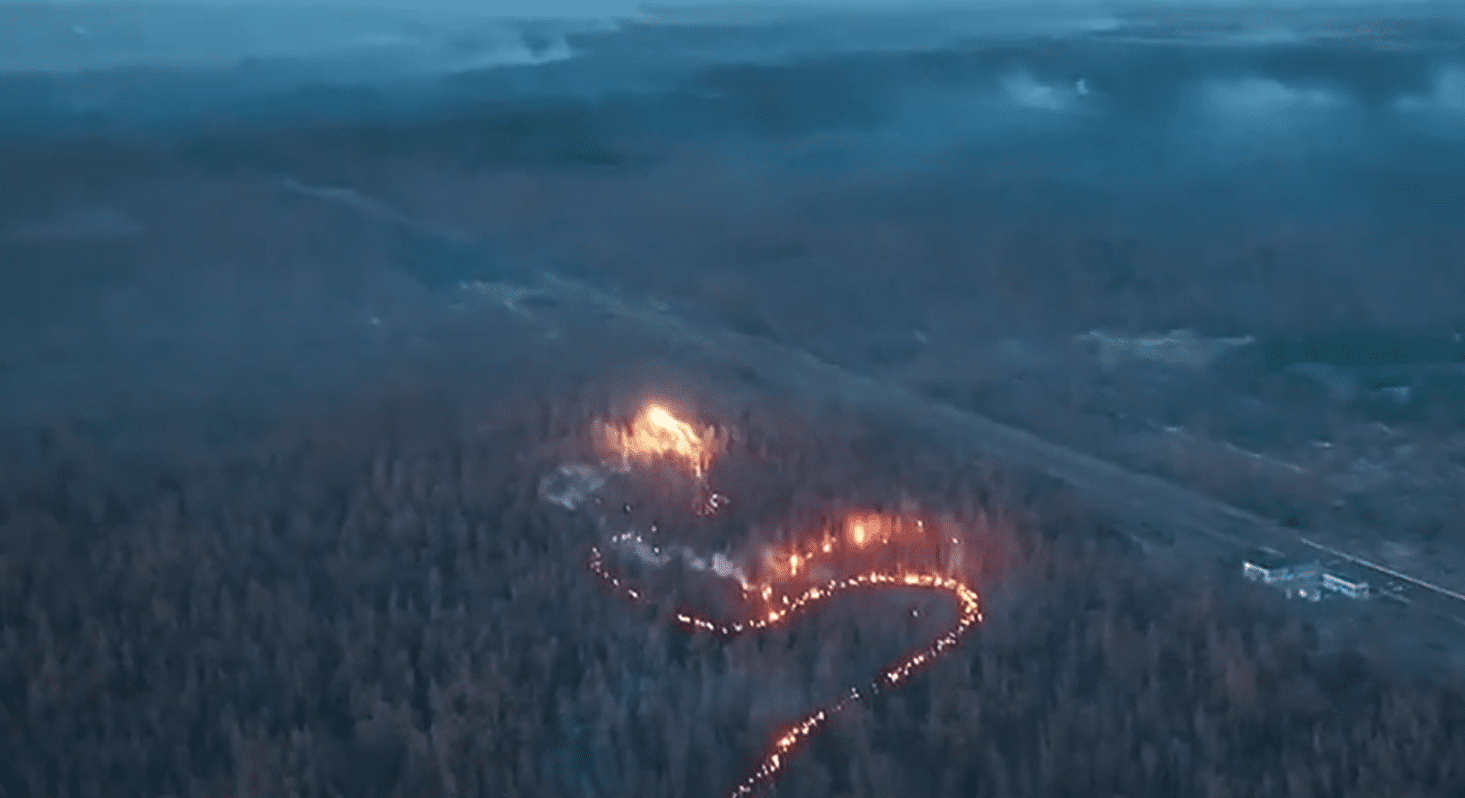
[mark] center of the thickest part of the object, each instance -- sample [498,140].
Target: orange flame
[790,588]
[657,434]
[872,550]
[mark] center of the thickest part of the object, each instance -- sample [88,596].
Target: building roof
[1266,559]
[1349,574]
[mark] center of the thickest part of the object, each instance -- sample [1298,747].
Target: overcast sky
[579,8]
[605,8]
[617,7]
[106,33]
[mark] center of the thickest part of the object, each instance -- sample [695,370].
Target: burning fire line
[798,580]
[970,615]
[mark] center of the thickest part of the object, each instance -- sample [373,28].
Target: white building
[1271,568]
[1346,581]
[1296,579]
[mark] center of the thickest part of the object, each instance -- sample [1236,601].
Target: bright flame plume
[657,434]
[861,551]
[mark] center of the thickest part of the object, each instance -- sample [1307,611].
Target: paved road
[1157,511]
[1150,509]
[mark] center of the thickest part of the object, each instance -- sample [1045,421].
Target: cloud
[80,37]
[1445,98]
[1027,91]
[1257,99]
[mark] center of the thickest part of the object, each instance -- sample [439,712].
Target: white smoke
[577,487]
[572,486]
[659,556]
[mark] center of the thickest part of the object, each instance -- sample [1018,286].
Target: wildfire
[862,551]
[657,434]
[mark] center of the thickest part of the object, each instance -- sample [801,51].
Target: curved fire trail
[862,551]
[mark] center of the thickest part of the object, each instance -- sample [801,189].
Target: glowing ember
[862,551]
[790,603]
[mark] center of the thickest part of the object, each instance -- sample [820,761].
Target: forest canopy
[379,604]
